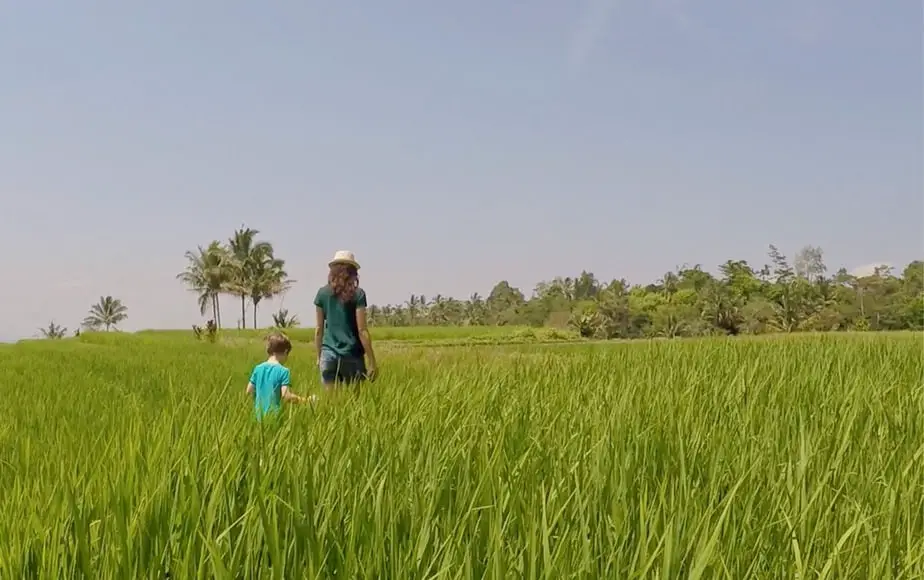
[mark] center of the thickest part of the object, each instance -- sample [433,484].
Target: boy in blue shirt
[270,382]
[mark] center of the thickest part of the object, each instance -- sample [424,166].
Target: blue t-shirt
[268,378]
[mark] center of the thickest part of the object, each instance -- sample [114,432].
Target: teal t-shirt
[341,334]
[268,378]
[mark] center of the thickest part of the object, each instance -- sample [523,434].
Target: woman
[341,336]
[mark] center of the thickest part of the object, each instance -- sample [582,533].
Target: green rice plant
[134,457]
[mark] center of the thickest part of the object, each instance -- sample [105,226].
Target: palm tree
[476,310]
[416,307]
[373,313]
[208,273]
[669,285]
[108,313]
[436,314]
[246,252]
[53,331]
[266,278]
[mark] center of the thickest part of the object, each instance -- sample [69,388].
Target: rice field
[133,456]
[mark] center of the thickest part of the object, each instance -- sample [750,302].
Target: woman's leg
[330,368]
[352,372]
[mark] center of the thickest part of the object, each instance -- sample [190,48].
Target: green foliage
[209,333]
[789,457]
[105,314]
[282,319]
[778,297]
[53,331]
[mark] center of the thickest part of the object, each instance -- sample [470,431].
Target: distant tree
[244,267]
[282,319]
[266,279]
[913,277]
[247,253]
[503,303]
[809,263]
[53,331]
[782,272]
[413,307]
[585,286]
[208,272]
[475,310]
[107,313]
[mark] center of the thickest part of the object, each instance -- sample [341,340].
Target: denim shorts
[345,369]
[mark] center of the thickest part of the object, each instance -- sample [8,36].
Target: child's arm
[287,394]
[290,397]
[251,387]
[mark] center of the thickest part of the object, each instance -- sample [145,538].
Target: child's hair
[278,343]
[343,280]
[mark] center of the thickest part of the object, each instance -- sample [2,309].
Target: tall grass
[700,459]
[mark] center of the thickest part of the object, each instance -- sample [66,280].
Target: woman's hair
[343,280]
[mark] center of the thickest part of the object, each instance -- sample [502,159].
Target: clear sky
[448,144]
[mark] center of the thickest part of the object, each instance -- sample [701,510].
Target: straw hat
[344,257]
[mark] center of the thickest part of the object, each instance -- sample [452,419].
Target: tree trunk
[255,315]
[216,310]
[243,311]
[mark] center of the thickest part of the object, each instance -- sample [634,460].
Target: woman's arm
[366,339]
[318,331]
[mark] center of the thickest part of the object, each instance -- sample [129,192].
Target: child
[270,381]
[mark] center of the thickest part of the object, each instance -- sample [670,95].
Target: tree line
[780,296]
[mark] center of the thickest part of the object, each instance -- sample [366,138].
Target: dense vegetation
[133,456]
[741,299]
[776,298]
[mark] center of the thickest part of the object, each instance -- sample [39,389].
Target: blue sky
[449,145]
